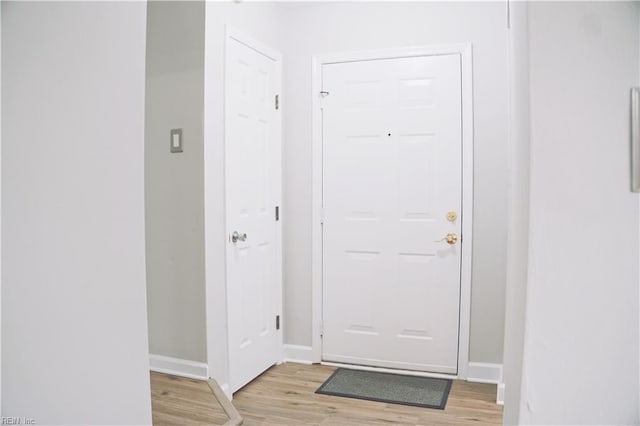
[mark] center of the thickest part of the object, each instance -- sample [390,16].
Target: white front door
[392,191]
[252,144]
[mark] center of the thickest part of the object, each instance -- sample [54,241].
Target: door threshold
[391,370]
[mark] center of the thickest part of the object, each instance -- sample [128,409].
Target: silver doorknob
[235,237]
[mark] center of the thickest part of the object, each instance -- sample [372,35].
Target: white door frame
[465,52]
[217,308]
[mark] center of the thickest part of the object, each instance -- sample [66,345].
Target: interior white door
[252,143]
[392,176]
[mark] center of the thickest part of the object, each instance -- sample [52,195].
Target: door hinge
[277,213]
[277,101]
[277,322]
[321,328]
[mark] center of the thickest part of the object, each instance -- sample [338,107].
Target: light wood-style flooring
[284,395]
[180,401]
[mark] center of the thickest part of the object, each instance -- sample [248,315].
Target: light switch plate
[175,142]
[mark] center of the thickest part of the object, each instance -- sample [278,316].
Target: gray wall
[174,183]
[581,331]
[333,27]
[73,280]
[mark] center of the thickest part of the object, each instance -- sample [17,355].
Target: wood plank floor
[284,395]
[181,401]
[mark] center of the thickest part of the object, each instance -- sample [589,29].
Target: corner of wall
[0,208]
[518,212]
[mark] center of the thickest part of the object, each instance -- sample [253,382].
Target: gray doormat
[386,387]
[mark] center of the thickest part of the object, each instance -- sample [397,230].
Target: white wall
[74,312]
[325,27]
[174,183]
[0,209]
[581,340]
[518,212]
[260,21]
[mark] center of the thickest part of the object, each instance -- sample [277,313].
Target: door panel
[252,180]
[392,147]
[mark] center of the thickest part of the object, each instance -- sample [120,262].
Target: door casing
[465,52]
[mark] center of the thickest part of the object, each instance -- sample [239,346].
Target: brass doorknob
[451,238]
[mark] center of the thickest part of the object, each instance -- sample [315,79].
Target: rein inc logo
[17,421]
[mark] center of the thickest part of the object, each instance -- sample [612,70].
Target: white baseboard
[500,394]
[297,353]
[179,367]
[227,391]
[484,372]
